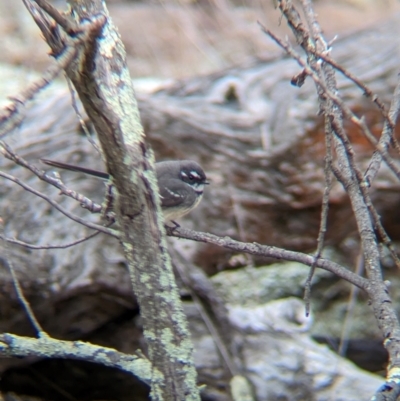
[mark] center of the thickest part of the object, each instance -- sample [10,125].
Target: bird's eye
[191,177]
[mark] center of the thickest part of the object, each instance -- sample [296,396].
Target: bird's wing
[175,194]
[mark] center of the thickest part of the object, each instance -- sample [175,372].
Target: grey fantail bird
[180,182]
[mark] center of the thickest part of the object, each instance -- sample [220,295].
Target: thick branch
[46,347]
[102,80]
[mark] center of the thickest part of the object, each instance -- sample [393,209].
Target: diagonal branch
[269,251]
[102,81]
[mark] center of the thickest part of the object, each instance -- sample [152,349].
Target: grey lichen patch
[171,295]
[162,314]
[130,125]
[128,247]
[157,377]
[145,278]
[110,40]
[178,352]
[166,279]
[134,175]
[150,334]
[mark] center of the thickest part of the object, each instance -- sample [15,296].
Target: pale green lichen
[178,352]
[241,389]
[50,348]
[128,247]
[394,375]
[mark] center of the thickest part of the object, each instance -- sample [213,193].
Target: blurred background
[183,38]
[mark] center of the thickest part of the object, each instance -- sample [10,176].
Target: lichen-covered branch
[45,347]
[101,79]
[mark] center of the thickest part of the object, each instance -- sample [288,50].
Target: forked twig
[339,131]
[85,202]
[65,212]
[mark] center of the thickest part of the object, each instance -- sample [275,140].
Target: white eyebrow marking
[195,174]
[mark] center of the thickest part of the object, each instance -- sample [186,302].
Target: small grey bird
[180,182]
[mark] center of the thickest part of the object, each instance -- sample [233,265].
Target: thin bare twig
[68,50]
[364,188]
[12,116]
[69,25]
[350,310]
[336,99]
[79,115]
[355,187]
[40,247]
[65,212]
[367,92]
[50,29]
[85,202]
[317,34]
[323,220]
[339,131]
[20,294]
[386,136]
